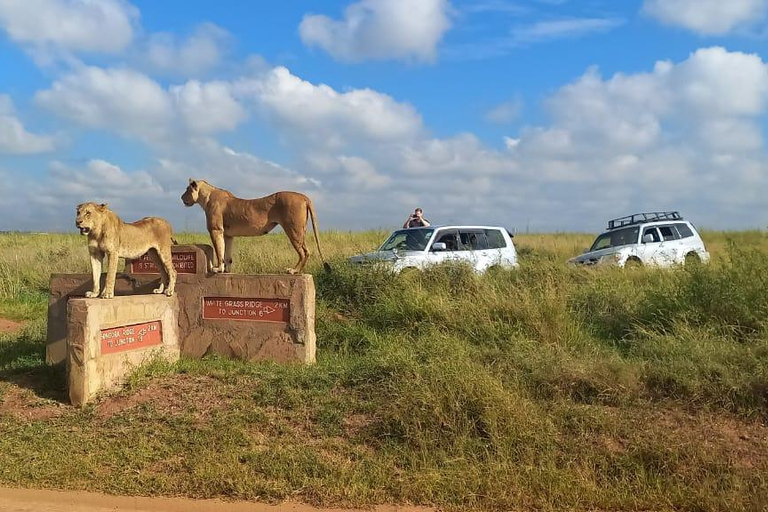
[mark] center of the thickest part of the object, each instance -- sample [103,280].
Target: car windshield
[616,238]
[408,240]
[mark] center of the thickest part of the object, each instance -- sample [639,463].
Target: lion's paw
[91,295]
[107,295]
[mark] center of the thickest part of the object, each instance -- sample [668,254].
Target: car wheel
[692,258]
[409,271]
[633,263]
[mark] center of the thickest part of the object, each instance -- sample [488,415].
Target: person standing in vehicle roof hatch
[416,220]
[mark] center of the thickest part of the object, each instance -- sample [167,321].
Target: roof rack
[638,218]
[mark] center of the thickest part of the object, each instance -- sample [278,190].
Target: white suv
[656,239]
[481,246]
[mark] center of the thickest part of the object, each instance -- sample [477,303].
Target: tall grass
[545,387]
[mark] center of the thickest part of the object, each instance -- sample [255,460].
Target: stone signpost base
[254,318]
[107,339]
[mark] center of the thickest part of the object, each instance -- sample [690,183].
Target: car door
[474,247]
[688,242]
[650,242]
[670,249]
[450,237]
[489,248]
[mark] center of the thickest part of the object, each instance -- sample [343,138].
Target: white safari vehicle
[480,246]
[658,239]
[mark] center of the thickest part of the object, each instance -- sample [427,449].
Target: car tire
[633,263]
[692,258]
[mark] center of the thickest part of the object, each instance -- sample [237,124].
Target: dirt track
[9,325]
[28,500]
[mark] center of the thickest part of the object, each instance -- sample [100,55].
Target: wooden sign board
[185,262]
[247,309]
[130,337]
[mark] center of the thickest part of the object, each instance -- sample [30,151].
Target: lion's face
[189,197]
[88,216]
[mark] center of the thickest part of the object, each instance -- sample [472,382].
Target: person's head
[418,212]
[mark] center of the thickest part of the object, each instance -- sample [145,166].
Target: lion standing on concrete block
[109,236]
[228,216]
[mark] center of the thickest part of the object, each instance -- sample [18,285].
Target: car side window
[684,230]
[667,233]
[653,232]
[449,239]
[495,239]
[473,240]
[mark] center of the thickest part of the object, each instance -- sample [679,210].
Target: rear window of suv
[684,230]
[495,239]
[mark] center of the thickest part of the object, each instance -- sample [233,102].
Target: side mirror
[439,246]
[648,239]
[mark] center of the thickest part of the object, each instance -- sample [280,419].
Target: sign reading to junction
[130,337]
[249,309]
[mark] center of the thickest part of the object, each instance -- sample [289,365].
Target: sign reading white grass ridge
[249,309]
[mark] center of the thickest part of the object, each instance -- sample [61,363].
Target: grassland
[543,388]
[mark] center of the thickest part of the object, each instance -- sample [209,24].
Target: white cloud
[361,174]
[506,112]
[120,100]
[195,55]
[681,135]
[630,112]
[715,82]
[707,17]
[657,139]
[101,181]
[463,154]
[99,26]
[380,29]
[567,28]
[132,104]
[156,190]
[321,114]
[208,107]
[535,33]
[14,138]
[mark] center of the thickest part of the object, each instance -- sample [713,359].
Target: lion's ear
[103,205]
[193,183]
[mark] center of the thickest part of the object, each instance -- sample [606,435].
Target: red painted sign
[249,309]
[183,262]
[130,337]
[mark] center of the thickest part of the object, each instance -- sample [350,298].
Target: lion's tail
[311,211]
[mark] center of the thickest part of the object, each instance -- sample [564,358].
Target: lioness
[228,216]
[110,236]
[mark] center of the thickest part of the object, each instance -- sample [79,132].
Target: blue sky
[545,115]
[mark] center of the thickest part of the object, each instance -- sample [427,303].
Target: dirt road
[27,500]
